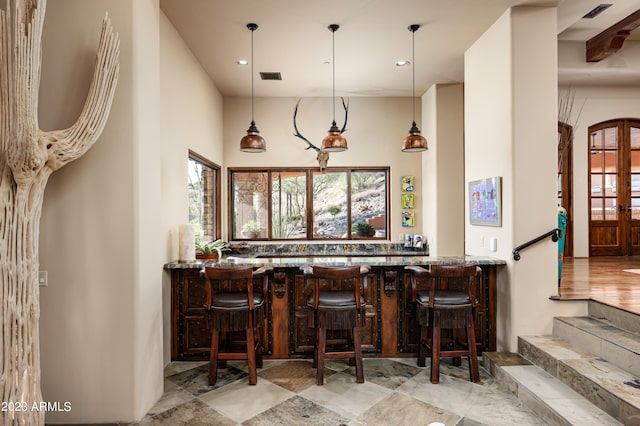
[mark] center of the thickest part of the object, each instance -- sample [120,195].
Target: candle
[186,243]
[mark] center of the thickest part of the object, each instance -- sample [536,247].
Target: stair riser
[542,409]
[620,318]
[598,396]
[611,352]
[538,357]
[578,338]
[524,395]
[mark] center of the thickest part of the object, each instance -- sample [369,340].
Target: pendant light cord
[333,63]
[413,67]
[252,76]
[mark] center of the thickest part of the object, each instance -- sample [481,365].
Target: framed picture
[408,219]
[407,183]
[407,201]
[485,202]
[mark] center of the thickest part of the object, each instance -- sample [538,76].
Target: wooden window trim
[309,200]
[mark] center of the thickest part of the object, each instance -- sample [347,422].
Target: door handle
[620,208]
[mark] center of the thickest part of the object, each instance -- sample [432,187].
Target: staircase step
[601,338]
[555,402]
[610,388]
[618,317]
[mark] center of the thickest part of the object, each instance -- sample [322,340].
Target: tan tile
[398,409]
[295,376]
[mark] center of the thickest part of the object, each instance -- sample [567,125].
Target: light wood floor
[603,279]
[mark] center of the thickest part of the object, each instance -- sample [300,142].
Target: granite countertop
[296,262]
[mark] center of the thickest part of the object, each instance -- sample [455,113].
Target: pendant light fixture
[252,142]
[414,142]
[334,141]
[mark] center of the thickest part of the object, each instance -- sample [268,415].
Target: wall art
[485,203]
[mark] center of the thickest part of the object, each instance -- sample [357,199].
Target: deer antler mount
[323,156]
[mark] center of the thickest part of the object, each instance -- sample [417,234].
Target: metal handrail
[554,234]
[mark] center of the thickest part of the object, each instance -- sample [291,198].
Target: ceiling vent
[270,76]
[597,10]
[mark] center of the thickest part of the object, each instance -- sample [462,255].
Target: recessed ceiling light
[242,62]
[403,63]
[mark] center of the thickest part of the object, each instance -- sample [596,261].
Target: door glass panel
[635,161]
[610,208]
[635,196]
[329,205]
[610,138]
[597,160]
[597,185]
[634,137]
[250,192]
[559,183]
[635,208]
[611,161]
[288,204]
[597,212]
[596,140]
[610,186]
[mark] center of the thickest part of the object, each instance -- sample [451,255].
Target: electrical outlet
[401,237]
[482,241]
[43,279]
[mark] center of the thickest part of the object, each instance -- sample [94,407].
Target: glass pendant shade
[414,141]
[334,141]
[252,142]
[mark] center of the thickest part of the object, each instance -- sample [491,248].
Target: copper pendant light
[414,142]
[334,141]
[252,142]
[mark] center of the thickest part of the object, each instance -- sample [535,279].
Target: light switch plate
[43,279]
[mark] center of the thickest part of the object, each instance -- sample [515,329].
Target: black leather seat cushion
[444,297]
[335,300]
[236,300]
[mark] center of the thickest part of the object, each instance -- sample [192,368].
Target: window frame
[309,172]
[216,197]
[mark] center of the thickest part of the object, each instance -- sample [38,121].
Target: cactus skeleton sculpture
[28,156]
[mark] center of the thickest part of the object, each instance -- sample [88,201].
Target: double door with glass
[614,182]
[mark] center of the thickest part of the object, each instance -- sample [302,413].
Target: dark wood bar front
[390,331]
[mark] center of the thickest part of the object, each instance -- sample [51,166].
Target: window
[305,204]
[204,197]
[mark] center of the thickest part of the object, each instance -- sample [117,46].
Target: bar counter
[390,331]
[290,261]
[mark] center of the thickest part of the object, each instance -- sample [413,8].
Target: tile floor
[396,392]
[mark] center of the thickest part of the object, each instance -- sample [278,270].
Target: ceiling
[293,39]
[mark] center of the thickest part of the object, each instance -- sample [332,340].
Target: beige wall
[376,129]
[191,119]
[514,136]
[443,169]
[101,335]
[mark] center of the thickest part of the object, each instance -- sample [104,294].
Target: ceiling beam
[610,40]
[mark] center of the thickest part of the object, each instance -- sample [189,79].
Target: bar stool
[335,298]
[445,297]
[234,306]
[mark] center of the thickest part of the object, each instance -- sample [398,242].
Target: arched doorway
[614,182]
